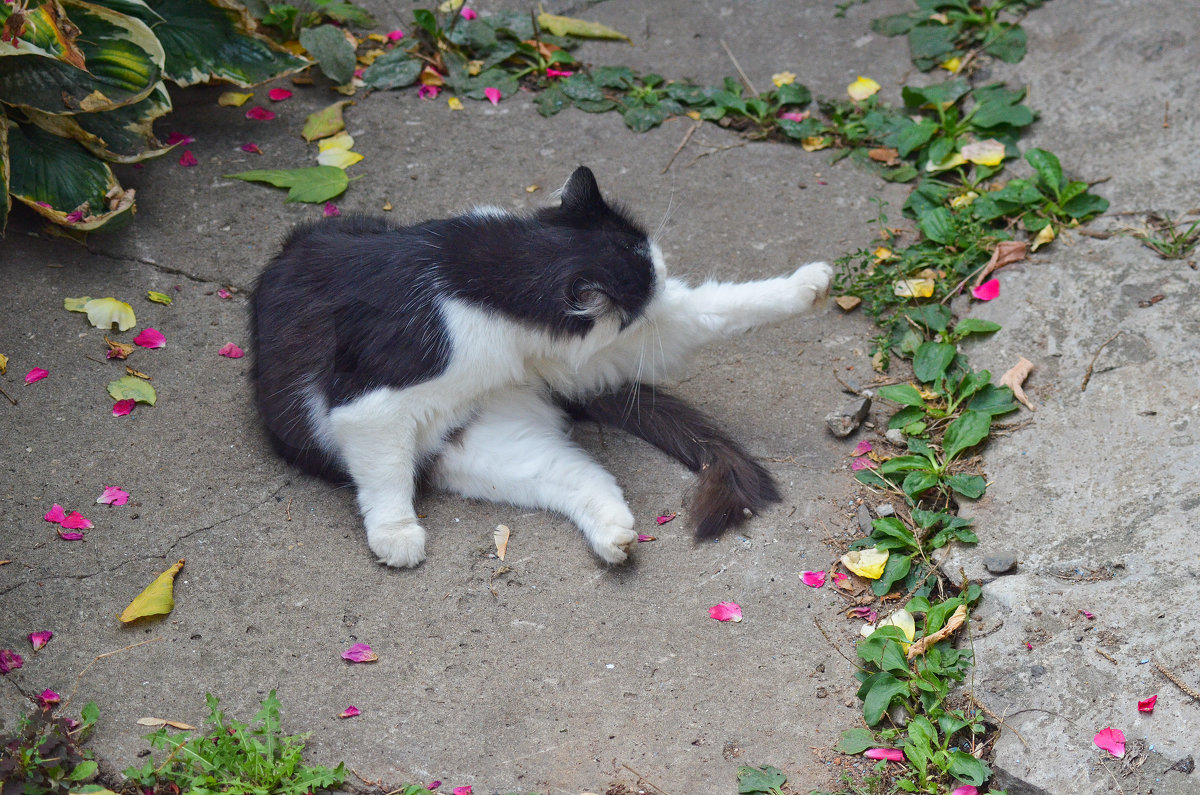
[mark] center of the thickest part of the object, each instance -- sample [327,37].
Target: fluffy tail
[729,480]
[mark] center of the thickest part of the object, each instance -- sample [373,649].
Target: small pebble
[885,510]
[842,422]
[864,519]
[895,436]
[1000,562]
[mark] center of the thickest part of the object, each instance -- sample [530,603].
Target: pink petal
[40,639]
[73,535]
[76,521]
[123,407]
[1087,615]
[260,113]
[1147,704]
[428,92]
[893,754]
[279,94]
[813,579]
[726,611]
[866,613]
[223,293]
[552,72]
[252,149]
[232,351]
[187,159]
[468,15]
[1111,740]
[467,789]
[862,463]
[395,35]
[179,138]
[643,538]
[150,338]
[433,784]
[55,514]
[987,291]
[331,210]
[360,652]
[1028,646]
[113,496]
[666,517]
[75,217]
[349,712]
[36,374]
[48,698]
[792,115]
[493,95]
[359,72]
[9,661]
[863,448]
[839,576]
[965,789]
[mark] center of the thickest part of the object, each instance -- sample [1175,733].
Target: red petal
[36,374]
[123,407]
[643,538]
[279,94]
[726,611]
[1111,740]
[893,754]
[48,698]
[396,35]
[349,712]
[252,149]
[9,661]
[76,521]
[40,639]
[223,293]
[73,535]
[260,113]
[150,338]
[55,514]
[187,159]
[331,210]
[232,351]
[987,291]
[1147,704]
[179,138]
[666,517]
[113,496]
[813,579]
[360,652]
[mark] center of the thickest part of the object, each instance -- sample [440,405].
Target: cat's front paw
[812,281]
[399,543]
[616,545]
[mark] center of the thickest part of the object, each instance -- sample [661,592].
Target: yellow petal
[913,288]
[342,158]
[882,253]
[76,304]
[233,99]
[984,153]
[783,78]
[952,160]
[455,103]
[694,115]
[368,57]
[814,143]
[474,67]
[158,599]
[1043,237]
[866,563]
[902,619]
[964,199]
[450,5]
[342,140]
[379,37]
[103,312]
[3,363]
[862,88]
[952,65]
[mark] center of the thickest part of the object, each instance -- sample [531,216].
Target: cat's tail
[730,481]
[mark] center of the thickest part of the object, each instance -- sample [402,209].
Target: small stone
[864,519]
[845,420]
[885,510]
[1001,562]
[895,436]
[822,692]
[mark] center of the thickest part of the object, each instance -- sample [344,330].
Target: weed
[1170,239]
[44,755]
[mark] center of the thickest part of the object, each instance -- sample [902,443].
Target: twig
[833,645]
[1100,181]
[10,399]
[714,150]
[997,718]
[1106,656]
[686,137]
[846,386]
[1116,783]
[289,509]
[1167,114]
[79,676]
[1087,376]
[97,361]
[1176,680]
[644,780]
[738,66]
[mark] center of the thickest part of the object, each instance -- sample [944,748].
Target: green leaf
[613,77]
[581,87]
[395,69]
[1048,169]
[974,325]
[993,400]
[938,225]
[1009,46]
[568,26]
[83,770]
[1085,206]
[753,780]
[930,44]
[995,112]
[971,486]
[905,394]
[896,569]
[942,94]
[969,429]
[885,689]
[917,483]
[643,118]
[894,25]
[906,416]
[311,185]
[792,129]
[965,767]
[428,22]
[551,101]
[327,121]
[123,135]
[130,387]
[333,52]
[855,741]
[868,478]
[934,317]
[904,463]
[914,136]
[932,359]
[793,94]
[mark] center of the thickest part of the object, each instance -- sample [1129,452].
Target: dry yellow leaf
[814,143]
[847,302]
[455,103]
[956,621]
[1015,378]
[158,722]
[158,599]
[500,536]
[233,99]
[1043,237]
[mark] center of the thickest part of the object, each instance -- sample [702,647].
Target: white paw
[399,543]
[813,282]
[615,544]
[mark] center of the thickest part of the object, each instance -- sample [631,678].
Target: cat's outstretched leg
[376,439]
[516,450]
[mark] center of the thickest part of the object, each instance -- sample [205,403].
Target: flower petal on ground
[903,620]
[468,15]
[428,92]
[1043,237]
[862,88]
[987,291]
[70,535]
[251,148]
[1147,704]
[341,158]
[36,374]
[984,153]
[492,94]
[9,661]
[1111,740]
[55,514]
[952,65]
[331,210]
[157,599]
[863,448]
[643,538]
[76,521]
[664,518]
[467,789]
[552,72]
[175,138]
[866,563]
[48,698]
[792,115]
[862,463]
[395,35]
[349,712]
[259,113]
[965,789]
[231,351]
[123,407]
[158,298]
[891,754]
[726,611]
[150,338]
[867,613]
[103,312]
[913,288]
[187,159]
[781,79]
[813,579]
[40,639]
[455,103]
[279,94]
[113,496]
[359,653]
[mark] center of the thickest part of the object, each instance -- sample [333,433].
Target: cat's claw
[398,543]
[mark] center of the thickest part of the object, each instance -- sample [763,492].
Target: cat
[459,349]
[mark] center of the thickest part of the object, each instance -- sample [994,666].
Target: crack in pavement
[166,269]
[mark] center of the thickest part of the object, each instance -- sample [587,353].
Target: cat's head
[609,267]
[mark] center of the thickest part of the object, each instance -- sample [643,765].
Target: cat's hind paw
[616,546]
[399,543]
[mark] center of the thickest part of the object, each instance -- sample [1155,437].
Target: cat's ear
[581,191]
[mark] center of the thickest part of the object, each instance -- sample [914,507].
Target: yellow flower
[952,65]
[783,78]
[862,88]
[866,563]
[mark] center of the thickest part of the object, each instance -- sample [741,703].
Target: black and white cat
[459,348]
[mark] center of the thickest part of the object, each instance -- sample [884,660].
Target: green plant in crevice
[1170,239]
[43,756]
[947,32]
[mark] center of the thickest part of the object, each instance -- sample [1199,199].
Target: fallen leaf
[1111,740]
[989,152]
[76,521]
[158,598]
[349,712]
[123,407]
[314,185]
[726,611]
[1006,253]
[1043,237]
[956,621]
[259,113]
[360,653]
[882,253]
[3,364]
[39,639]
[913,288]
[1015,378]
[279,94]
[1145,705]
[9,661]
[159,298]
[103,312]
[884,154]
[866,613]
[113,496]
[847,302]
[866,563]
[55,514]
[813,579]
[233,99]
[500,536]
[129,387]
[568,26]
[149,338]
[231,351]
[187,159]
[48,698]
[891,754]
[862,88]
[951,160]
[664,518]
[160,722]
[987,291]
[137,373]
